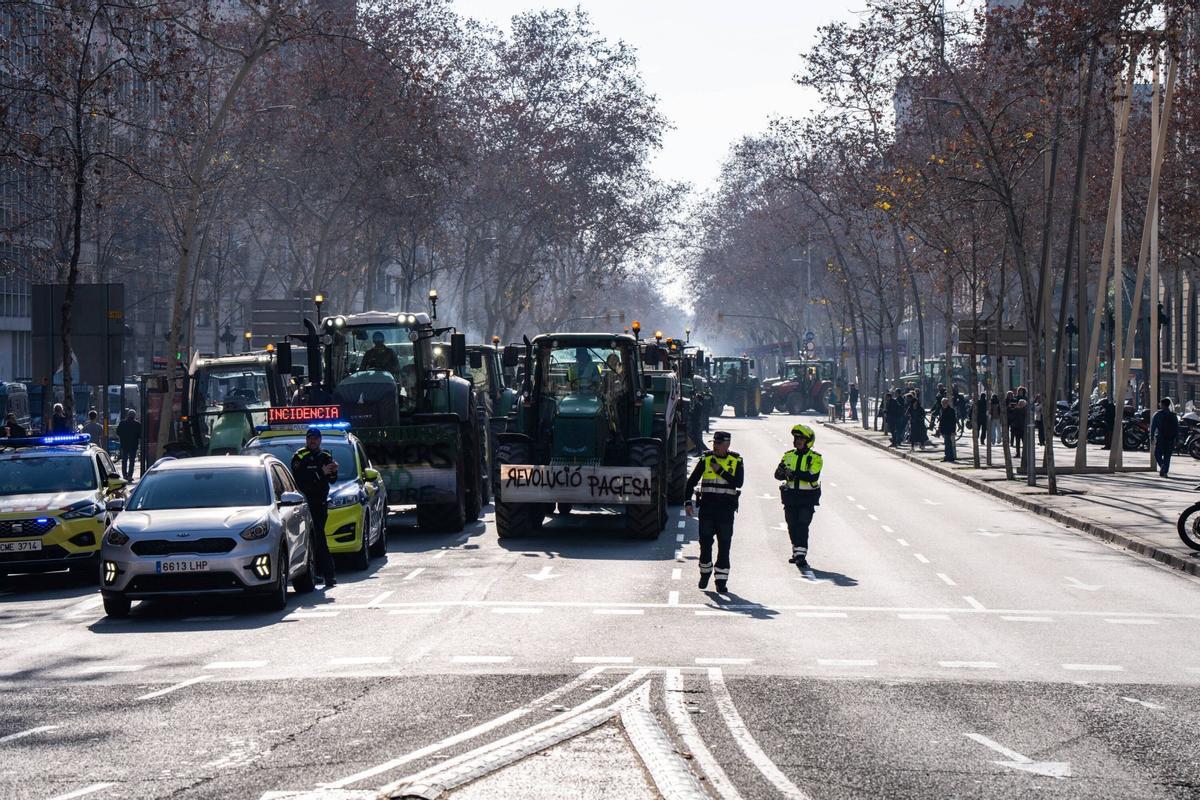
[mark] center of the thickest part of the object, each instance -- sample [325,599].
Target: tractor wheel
[677,483]
[473,471]
[795,403]
[767,405]
[514,519]
[739,405]
[446,517]
[646,521]
[756,394]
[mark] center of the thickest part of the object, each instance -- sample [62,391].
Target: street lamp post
[319,299]
[247,336]
[433,302]
[1072,330]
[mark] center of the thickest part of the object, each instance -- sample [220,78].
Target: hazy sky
[720,69]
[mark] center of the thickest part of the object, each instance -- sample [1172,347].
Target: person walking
[1108,418]
[1038,420]
[314,470]
[994,419]
[896,419]
[981,418]
[58,420]
[13,428]
[853,399]
[799,471]
[719,474]
[1164,428]
[129,437]
[1018,415]
[93,429]
[918,433]
[948,427]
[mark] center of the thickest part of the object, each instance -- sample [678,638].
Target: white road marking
[679,537]
[831,483]
[1075,583]
[354,661]
[30,732]
[439,554]
[235,665]
[311,614]
[986,532]
[517,610]
[478,730]
[481,659]
[631,611]
[946,579]
[99,668]
[1131,621]
[673,599]
[1050,769]
[741,734]
[546,573]
[969,664]
[422,610]
[1134,700]
[15,625]
[821,614]
[662,760]
[721,661]
[921,558]
[1094,667]
[1020,618]
[95,787]
[851,499]
[679,554]
[873,517]
[860,507]
[175,688]
[929,502]
[847,662]
[682,524]
[681,718]
[676,574]
[603,659]
[413,574]
[886,529]
[683,512]
[923,616]
[973,603]
[902,542]
[379,598]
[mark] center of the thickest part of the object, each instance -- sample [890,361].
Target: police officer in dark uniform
[800,473]
[314,470]
[720,474]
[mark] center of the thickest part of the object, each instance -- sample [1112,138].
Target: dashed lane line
[902,542]
[30,732]
[517,610]
[969,664]
[1093,667]
[851,499]
[973,603]
[481,659]
[679,537]
[418,610]
[1131,621]
[299,614]
[673,598]
[358,661]
[860,507]
[921,558]
[946,579]
[721,661]
[886,529]
[873,518]
[682,524]
[923,616]
[1024,618]
[413,574]
[619,611]
[847,662]
[84,792]
[607,660]
[822,614]
[235,665]
[745,740]
[176,687]
[676,574]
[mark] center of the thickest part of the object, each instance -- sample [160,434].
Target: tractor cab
[226,397]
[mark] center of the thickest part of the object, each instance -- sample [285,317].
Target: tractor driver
[583,373]
[380,356]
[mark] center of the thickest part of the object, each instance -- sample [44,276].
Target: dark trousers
[1163,448]
[948,446]
[128,463]
[854,409]
[320,515]
[721,529]
[798,518]
[896,425]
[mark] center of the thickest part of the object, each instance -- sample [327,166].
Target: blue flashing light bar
[38,441]
[42,520]
[329,425]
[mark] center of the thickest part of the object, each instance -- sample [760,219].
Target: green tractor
[735,384]
[394,382]
[494,399]
[585,432]
[224,399]
[664,366]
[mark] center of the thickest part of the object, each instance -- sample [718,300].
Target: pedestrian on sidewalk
[720,474]
[13,428]
[895,418]
[981,417]
[1017,418]
[853,402]
[92,428]
[1039,420]
[1164,427]
[918,434]
[948,427]
[129,437]
[800,490]
[1108,418]
[994,427]
[58,420]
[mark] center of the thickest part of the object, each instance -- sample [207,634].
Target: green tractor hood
[580,430]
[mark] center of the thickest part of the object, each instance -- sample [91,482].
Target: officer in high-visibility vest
[720,474]
[800,473]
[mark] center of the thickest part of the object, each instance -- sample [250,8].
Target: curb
[1112,536]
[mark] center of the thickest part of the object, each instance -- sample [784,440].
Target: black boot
[722,586]
[704,576]
[802,565]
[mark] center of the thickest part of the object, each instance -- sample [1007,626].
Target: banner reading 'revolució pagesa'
[564,483]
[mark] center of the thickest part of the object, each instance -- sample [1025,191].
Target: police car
[357,525]
[54,492]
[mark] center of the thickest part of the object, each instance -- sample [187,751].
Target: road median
[1133,510]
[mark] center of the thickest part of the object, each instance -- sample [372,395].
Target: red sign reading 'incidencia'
[285,414]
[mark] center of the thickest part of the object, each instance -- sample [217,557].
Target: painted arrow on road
[546,574]
[1050,769]
[1075,583]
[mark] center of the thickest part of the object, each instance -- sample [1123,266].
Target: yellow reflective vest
[711,483]
[809,462]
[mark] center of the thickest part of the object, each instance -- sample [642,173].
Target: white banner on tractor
[560,483]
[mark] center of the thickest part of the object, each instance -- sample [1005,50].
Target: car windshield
[284,449]
[46,474]
[246,384]
[201,488]
[576,369]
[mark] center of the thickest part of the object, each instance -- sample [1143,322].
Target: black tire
[1194,448]
[767,405]
[795,403]
[739,405]
[379,548]
[1189,526]
[473,472]
[117,607]
[446,517]
[1135,439]
[646,521]
[276,599]
[306,581]
[756,397]
[1070,437]
[360,559]
[677,481]
[514,519]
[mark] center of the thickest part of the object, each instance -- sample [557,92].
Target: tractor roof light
[495,340]
[658,336]
[637,326]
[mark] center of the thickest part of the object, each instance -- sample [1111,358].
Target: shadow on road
[836,578]
[736,604]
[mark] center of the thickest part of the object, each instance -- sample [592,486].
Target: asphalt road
[950,646]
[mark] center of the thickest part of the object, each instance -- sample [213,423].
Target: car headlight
[116,537]
[82,510]
[256,531]
[346,496]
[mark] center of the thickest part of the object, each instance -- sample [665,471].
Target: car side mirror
[475,358]
[458,349]
[370,474]
[115,483]
[291,499]
[511,356]
[117,504]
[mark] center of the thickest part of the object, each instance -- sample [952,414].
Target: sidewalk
[1135,510]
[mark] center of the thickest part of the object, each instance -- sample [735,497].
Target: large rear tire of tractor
[767,405]
[474,469]
[446,517]
[677,483]
[756,394]
[515,519]
[646,521]
[739,404]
